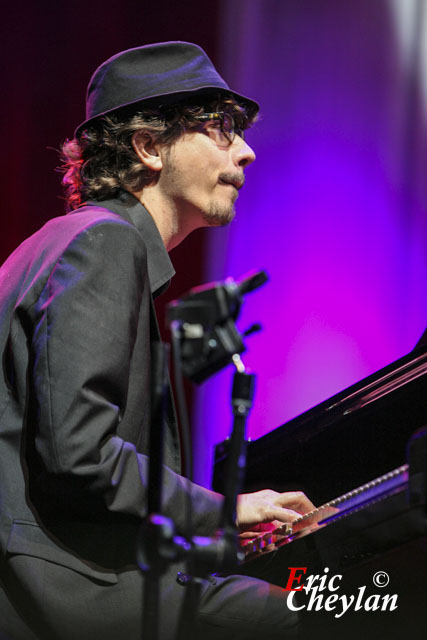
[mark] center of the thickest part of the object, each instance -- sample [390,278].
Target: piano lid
[345,441]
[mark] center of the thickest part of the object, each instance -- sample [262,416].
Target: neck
[173,226]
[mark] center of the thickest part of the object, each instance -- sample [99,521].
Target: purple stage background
[335,208]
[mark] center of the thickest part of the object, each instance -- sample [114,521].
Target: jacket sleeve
[85,323]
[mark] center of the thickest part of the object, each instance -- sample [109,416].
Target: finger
[266,526]
[295,500]
[277,524]
[260,528]
[281,514]
[249,534]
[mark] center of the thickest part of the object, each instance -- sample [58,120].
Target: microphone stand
[156,532]
[157,545]
[241,403]
[224,553]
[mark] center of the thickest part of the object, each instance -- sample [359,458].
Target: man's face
[202,174]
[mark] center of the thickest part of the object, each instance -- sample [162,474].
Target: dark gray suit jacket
[76,328]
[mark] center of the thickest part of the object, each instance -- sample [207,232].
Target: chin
[219,216]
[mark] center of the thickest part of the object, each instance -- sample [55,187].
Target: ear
[147,150]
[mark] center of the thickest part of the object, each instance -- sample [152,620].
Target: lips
[236,181]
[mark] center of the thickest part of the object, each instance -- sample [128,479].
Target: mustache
[237,179]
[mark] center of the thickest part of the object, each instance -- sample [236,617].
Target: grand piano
[361,456]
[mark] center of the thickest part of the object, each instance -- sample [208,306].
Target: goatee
[219,215]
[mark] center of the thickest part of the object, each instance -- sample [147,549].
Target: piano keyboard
[367,494]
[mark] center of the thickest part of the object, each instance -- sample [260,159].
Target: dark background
[49,52]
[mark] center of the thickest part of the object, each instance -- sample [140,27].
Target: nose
[243,154]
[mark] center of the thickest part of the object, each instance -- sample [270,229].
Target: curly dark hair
[101,160]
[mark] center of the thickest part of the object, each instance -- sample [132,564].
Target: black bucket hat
[170,71]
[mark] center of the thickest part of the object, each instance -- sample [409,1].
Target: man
[161,153]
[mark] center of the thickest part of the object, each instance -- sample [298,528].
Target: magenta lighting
[334,208]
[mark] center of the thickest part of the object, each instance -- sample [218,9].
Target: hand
[267,509]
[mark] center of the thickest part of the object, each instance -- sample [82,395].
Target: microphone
[205,319]
[214,302]
[249,283]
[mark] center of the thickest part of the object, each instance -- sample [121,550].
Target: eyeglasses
[225,128]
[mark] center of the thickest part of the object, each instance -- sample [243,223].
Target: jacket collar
[160,268]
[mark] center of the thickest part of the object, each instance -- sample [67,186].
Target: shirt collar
[160,268]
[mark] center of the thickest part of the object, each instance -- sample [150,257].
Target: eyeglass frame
[222,117]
